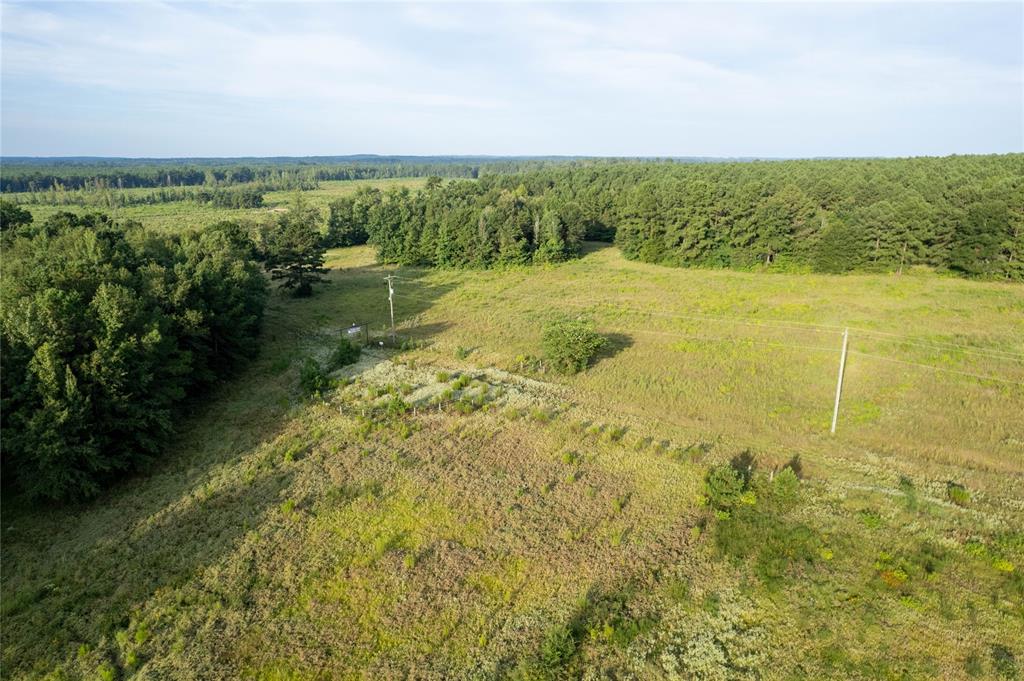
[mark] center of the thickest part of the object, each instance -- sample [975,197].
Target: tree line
[107,329]
[100,195]
[41,175]
[457,224]
[963,214]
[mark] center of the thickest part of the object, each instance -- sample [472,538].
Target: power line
[787,324]
[935,368]
[897,338]
[795,325]
[733,340]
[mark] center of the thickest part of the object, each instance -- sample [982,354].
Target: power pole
[391,303]
[839,384]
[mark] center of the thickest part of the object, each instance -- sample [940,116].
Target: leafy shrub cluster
[313,379]
[751,510]
[958,494]
[570,344]
[345,352]
[105,329]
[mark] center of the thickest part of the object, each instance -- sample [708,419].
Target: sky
[174,79]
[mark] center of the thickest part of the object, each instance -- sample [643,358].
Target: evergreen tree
[295,251]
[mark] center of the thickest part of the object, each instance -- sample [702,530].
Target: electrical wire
[935,368]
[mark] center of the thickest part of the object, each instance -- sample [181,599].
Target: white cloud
[741,79]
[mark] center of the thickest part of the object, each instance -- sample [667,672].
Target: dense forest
[458,224]
[105,330]
[962,214]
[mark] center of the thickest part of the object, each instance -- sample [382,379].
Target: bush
[558,646]
[1004,661]
[570,344]
[724,487]
[957,493]
[345,352]
[312,378]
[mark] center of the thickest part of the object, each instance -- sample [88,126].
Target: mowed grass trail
[450,510]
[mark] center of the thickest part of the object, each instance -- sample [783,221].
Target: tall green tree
[295,250]
[104,329]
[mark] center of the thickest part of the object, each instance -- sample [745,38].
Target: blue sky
[629,79]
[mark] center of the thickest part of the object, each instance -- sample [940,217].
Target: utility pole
[839,384]
[391,303]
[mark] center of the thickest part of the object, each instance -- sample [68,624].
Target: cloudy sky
[724,79]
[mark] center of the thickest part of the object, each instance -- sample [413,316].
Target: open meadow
[450,509]
[187,214]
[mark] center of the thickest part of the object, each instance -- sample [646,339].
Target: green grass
[441,513]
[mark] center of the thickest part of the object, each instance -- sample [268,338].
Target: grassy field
[189,214]
[450,510]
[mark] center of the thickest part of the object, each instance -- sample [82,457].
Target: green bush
[570,344]
[751,520]
[723,486]
[558,646]
[345,352]
[1004,661]
[957,493]
[312,378]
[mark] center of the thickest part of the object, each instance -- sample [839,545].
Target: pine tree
[295,252]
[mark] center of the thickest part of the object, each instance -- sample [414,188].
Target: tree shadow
[91,593]
[616,343]
[744,464]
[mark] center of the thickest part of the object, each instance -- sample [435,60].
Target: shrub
[957,493]
[744,465]
[724,487]
[558,646]
[1004,661]
[570,344]
[396,406]
[345,352]
[312,378]
[785,488]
